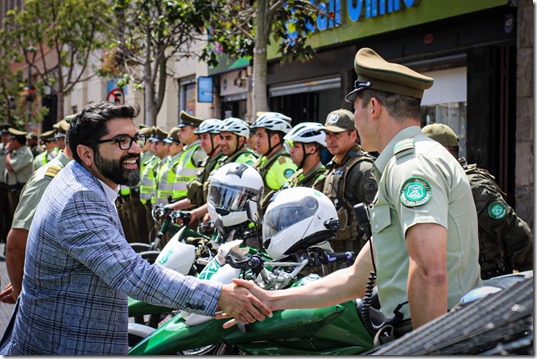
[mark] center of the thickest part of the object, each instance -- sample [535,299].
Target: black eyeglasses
[125,141]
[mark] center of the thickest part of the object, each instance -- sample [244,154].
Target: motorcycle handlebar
[339,257]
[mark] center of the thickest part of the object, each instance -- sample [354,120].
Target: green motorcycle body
[137,308]
[334,330]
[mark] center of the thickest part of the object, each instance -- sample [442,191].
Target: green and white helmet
[236,126]
[211,125]
[273,121]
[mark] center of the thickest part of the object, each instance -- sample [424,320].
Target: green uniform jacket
[505,240]
[350,182]
[21,162]
[33,191]
[420,182]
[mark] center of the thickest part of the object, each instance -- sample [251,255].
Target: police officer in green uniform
[138,214]
[209,132]
[51,149]
[166,174]
[275,165]
[18,170]
[307,141]
[191,158]
[349,179]
[33,144]
[148,176]
[234,136]
[424,223]
[16,241]
[60,131]
[505,240]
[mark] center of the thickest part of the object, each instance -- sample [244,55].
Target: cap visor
[332,129]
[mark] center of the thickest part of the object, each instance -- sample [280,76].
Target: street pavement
[5,309]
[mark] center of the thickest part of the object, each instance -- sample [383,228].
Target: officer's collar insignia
[415,192]
[497,210]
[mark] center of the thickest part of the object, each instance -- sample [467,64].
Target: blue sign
[205,89]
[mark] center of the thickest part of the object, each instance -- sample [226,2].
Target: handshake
[245,302]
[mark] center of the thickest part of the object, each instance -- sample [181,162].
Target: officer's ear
[86,154]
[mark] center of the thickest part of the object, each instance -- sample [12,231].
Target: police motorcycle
[296,228]
[353,327]
[188,252]
[178,254]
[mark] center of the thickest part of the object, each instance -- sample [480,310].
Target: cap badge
[333,119]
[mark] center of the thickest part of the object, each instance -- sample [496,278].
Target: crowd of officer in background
[176,164]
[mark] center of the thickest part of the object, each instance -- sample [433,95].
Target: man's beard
[115,172]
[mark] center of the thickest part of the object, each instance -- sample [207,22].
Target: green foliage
[232,29]
[56,38]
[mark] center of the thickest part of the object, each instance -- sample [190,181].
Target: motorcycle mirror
[253,211]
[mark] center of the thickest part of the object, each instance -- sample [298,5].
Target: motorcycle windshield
[288,214]
[231,198]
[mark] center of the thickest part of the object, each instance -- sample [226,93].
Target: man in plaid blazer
[79,268]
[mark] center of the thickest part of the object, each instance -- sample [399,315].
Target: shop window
[187,95]
[452,114]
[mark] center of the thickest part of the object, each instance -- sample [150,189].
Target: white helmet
[307,132]
[273,121]
[211,125]
[297,217]
[230,187]
[236,126]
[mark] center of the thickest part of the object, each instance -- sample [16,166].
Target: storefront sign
[205,89]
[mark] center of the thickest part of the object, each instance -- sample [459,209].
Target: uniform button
[202,307]
[376,226]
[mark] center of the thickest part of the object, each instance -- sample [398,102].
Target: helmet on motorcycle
[211,125]
[273,121]
[236,126]
[297,217]
[230,187]
[307,132]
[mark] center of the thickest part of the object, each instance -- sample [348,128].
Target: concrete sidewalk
[5,309]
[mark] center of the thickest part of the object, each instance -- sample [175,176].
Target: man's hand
[6,295]
[255,290]
[238,302]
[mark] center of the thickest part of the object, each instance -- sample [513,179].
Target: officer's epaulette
[52,171]
[403,147]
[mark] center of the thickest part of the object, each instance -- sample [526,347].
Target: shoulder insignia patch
[415,192]
[282,159]
[403,145]
[288,173]
[497,210]
[52,171]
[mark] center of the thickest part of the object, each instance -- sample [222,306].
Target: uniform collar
[387,152]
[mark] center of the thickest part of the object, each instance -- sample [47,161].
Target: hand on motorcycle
[6,295]
[238,302]
[253,289]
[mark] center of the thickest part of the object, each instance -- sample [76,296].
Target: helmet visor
[284,216]
[231,198]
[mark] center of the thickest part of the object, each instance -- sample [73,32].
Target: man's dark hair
[20,139]
[399,107]
[89,125]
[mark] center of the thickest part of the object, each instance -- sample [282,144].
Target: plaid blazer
[79,271]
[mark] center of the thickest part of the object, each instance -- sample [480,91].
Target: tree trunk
[259,81]
[60,100]
[149,89]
